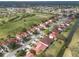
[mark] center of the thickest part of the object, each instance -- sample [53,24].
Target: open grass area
[67,52]
[14,27]
[73,46]
[54,49]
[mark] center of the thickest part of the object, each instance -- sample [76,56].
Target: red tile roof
[29,54]
[46,40]
[4,43]
[0,43]
[43,44]
[12,40]
[56,30]
[23,34]
[53,35]
[40,47]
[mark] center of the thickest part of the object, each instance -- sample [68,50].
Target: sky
[39,0]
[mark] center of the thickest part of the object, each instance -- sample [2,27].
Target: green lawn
[13,27]
[54,49]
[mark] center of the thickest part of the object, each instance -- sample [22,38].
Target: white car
[60,29]
[34,42]
[28,46]
[1,50]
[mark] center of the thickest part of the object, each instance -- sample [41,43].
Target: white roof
[34,42]
[28,46]
[27,50]
[36,39]
[50,20]
[41,24]
[46,22]
[67,24]
[50,36]
[59,29]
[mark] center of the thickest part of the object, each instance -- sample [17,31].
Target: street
[12,53]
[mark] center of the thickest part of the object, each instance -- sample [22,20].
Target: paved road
[69,38]
[12,54]
[58,23]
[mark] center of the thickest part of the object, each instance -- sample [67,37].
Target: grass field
[54,49]
[73,46]
[14,27]
[68,52]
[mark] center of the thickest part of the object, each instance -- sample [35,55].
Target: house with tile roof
[30,53]
[20,35]
[42,44]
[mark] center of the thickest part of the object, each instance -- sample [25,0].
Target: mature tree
[36,32]
[1,54]
[13,45]
[60,36]
[47,31]
[21,53]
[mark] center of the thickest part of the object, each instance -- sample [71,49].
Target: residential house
[42,44]
[67,24]
[50,21]
[29,32]
[12,40]
[20,35]
[30,53]
[0,43]
[42,26]
[36,28]
[53,35]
